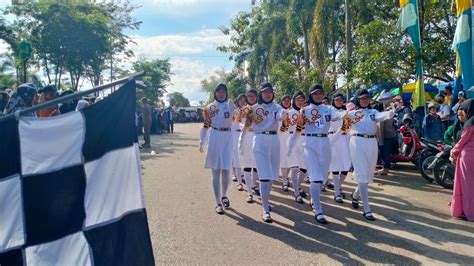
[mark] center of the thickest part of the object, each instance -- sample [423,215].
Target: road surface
[413,223]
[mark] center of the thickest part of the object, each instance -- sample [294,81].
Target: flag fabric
[463,45]
[71,188]
[409,22]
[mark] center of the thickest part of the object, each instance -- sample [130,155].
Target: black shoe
[240,187]
[267,218]
[234,178]
[225,201]
[219,209]
[323,188]
[249,199]
[302,193]
[355,203]
[320,218]
[338,199]
[329,185]
[369,216]
[299,199]
[256,190]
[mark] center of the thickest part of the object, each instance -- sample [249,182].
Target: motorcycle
[410,148]
[427,156]
[443,169]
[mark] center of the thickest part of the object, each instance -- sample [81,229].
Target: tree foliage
[76,39]
[177,99]
[293,43]
[158,76]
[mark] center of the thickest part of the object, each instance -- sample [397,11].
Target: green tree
[177,99]
[235,82]
[158,76]
[74,38]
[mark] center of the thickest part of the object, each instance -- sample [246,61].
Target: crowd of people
[310,137]
[151,120]
[28,95]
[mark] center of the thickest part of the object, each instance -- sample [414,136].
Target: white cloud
[187,77]
[178,45]
[187,53]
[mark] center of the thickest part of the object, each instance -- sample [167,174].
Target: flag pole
[71,97]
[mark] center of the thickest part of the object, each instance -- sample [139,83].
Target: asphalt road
[413,225]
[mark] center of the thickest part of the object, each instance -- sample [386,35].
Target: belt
[318,135]
[333,132]
[367,136]
[221,128]
[238,130]
[267,133]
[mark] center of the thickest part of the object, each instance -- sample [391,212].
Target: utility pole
[349,44]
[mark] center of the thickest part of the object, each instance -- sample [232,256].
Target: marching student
[363,147]
[340,157]
[236,130]
[316,119]
[296,157]
[284,136]
[264,118]
[218,118]
[245,146]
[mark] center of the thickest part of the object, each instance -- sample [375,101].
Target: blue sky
[187,32]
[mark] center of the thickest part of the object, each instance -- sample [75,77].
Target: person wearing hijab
[340,158]
[236,130]
[22,98]
[81,104]
[316,119]
[296,157]
[453,134]
[283,135]
[363,147]
[264,118]
[462,155]
[218,120]
[245,146]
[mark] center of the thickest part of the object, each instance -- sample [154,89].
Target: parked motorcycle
[410,147]
[443,169]
[427,156]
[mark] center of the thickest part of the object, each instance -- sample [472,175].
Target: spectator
[444,112]
[170,120]
[154,128]
[389,144]
[47,94]
[146,116]
[461,99]
[67,107]
[81,105]
[432,125]
[462,202]
[23,97]
[452,135]
[448,95]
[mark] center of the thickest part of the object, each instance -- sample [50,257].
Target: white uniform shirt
[265,117]
[316,119]
[364,121]
[336,125]
[219,115]
[444,112]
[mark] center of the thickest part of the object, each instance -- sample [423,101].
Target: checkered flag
[71,188]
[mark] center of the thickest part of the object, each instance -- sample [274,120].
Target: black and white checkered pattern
[70,188]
